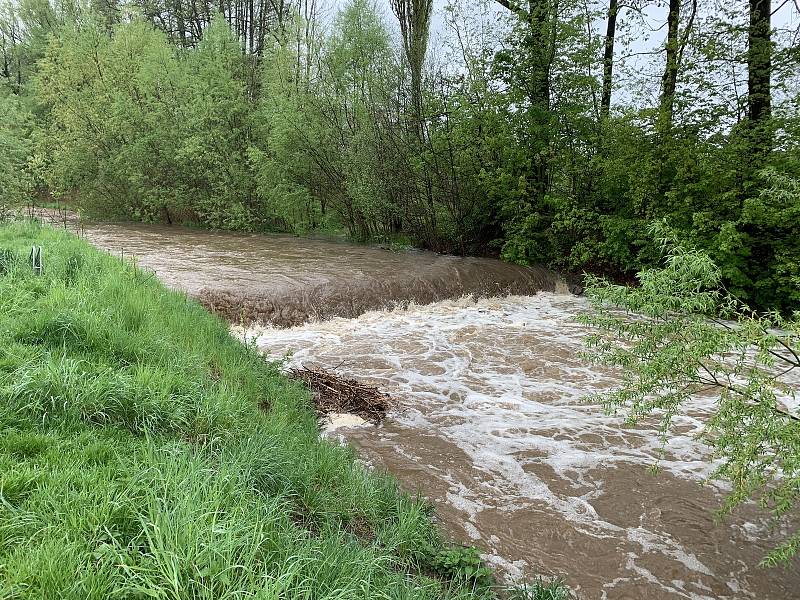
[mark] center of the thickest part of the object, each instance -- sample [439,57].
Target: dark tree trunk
[670,78]
[6,63]
[541,46]
[180,22]
[250,26]
[608,59]
[759,66]
[197,24]
[415,18]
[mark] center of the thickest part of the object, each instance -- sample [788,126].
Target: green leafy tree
[16,147]
[328,133]
[111,109]
[215,131]
[679,333]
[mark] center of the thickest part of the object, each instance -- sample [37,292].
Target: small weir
[284,281]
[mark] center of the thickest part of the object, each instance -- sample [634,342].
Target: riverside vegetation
[688,336]
[549,132]
[147,454]
[262,115]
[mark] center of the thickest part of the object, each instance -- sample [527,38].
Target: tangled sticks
[337,394]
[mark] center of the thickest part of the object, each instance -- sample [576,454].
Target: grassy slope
[146,454]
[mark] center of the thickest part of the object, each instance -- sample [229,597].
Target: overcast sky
[786,15]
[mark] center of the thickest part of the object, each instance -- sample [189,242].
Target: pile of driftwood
[337,394]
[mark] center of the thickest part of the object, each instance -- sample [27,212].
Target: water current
[489,421]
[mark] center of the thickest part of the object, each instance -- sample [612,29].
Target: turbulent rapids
[488,418]
[493,428]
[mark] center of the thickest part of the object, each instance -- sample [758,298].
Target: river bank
[146,453]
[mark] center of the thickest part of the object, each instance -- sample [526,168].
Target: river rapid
[483,362]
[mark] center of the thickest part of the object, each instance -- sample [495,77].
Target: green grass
[144,453]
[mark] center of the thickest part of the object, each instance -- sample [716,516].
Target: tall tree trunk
[542,46]
[759,66]
[608,59]
[538,14]
[251,26]
[670,78]
[415,23]
[6,74]
[181,23]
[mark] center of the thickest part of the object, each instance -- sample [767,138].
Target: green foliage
[139,129]
[683,335]
[542,589]
[214,132]
[16,126]
[326,154]
[462,564]
[769,224]
[110,133]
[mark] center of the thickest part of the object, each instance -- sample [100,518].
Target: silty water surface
[490,422]
[492,426]
[285,280]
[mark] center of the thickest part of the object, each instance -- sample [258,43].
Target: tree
[674,48]
[415,24]
[329,137]
[540,47]
[683,335]
[608,57]
[254,22]
[16,148]
[112,131]
[216,130]
[141,130]
[759,69]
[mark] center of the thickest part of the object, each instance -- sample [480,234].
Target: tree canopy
[540,131]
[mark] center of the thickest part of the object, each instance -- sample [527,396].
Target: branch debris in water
[337,394]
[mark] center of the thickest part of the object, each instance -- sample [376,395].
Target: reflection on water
[490,423]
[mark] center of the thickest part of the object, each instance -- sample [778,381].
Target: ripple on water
[491,425]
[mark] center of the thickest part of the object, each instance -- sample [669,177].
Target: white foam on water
[336,421]
[425,357]
[504,381]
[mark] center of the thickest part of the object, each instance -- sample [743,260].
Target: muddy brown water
[284,280]
[490,421]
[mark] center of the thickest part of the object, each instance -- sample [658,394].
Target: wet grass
[144,453]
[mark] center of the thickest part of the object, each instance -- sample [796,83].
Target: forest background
[543,131]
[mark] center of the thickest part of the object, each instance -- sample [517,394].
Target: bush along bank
[145,453]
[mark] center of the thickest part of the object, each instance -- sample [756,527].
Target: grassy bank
[144,453]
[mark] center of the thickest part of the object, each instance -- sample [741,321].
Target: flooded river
[489,421]
[284,280]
